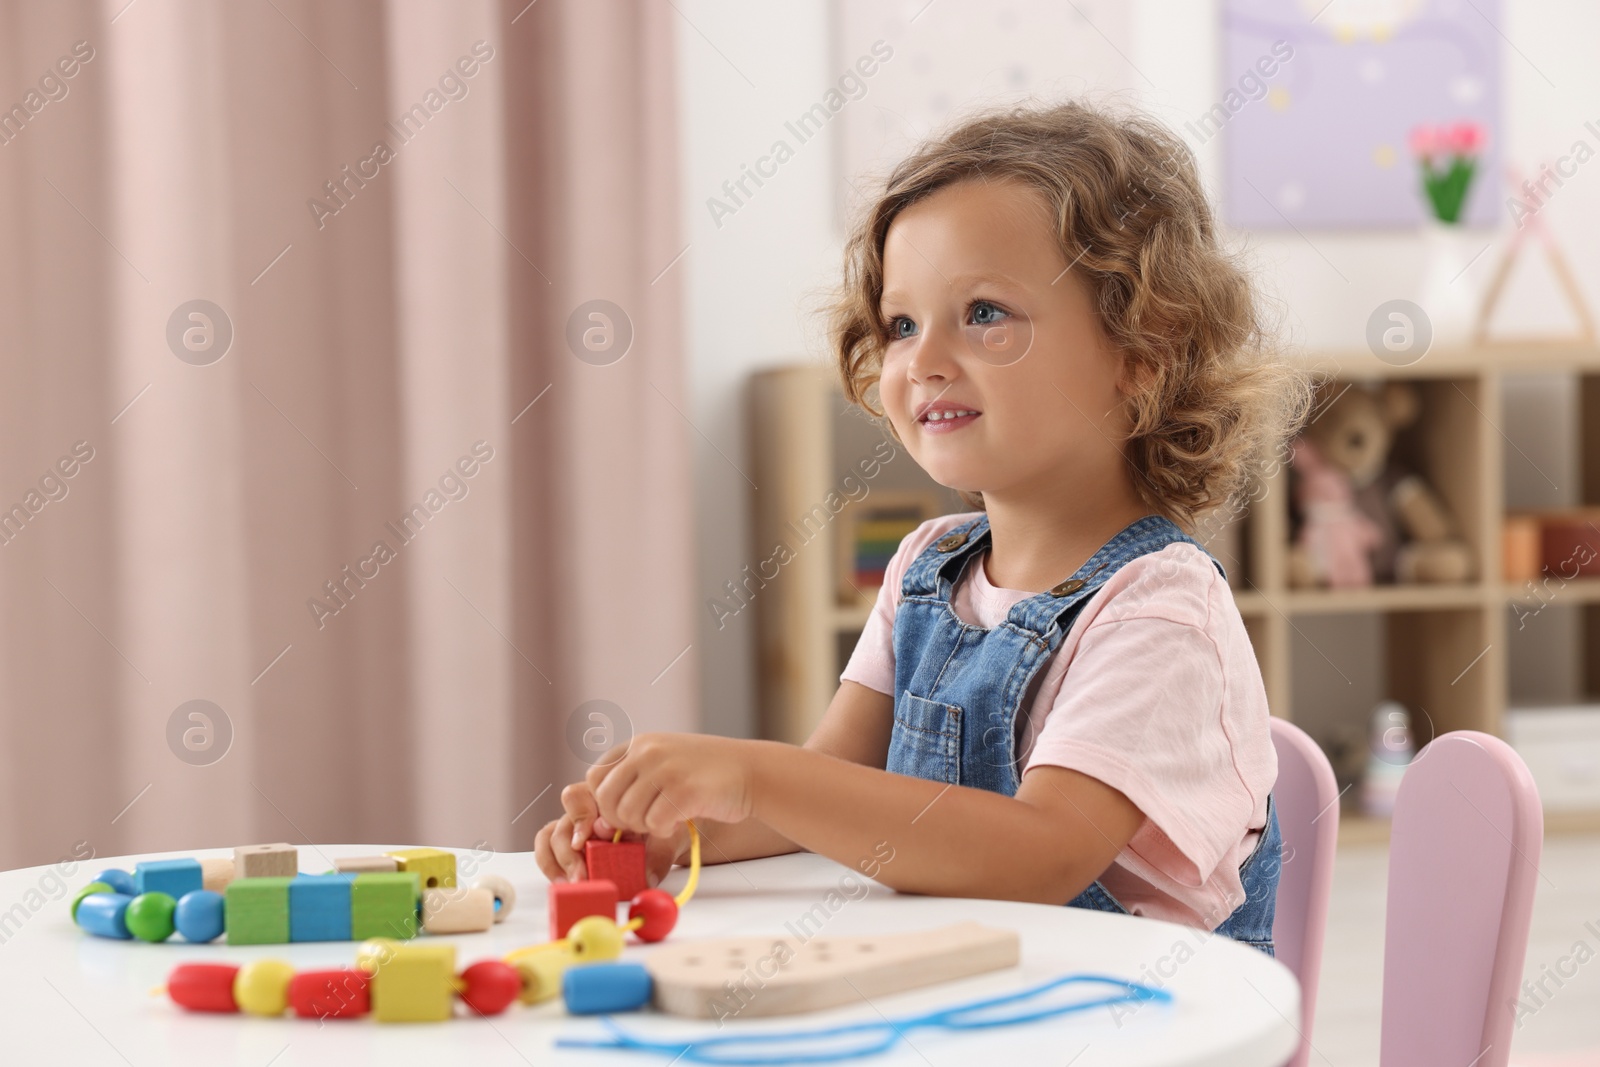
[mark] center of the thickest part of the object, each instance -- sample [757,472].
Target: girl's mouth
[948,421]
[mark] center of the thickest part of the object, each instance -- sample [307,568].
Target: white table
[69,997]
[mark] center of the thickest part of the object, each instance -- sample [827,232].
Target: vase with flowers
[1447,156]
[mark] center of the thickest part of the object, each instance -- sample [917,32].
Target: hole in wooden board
[691,961]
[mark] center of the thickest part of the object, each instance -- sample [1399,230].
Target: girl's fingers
[660,853]
[544,855]
[567,858]
[612,790]
[579,802]
[661,818]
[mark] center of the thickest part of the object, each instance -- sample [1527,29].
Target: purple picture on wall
[1322,140]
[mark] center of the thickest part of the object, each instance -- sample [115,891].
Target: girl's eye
[900,328]
[984,313]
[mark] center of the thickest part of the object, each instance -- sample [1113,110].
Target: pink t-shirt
[1155,691]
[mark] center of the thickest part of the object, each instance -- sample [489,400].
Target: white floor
[1564,1025]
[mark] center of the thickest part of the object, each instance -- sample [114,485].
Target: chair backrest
[1307,801]
[1464,855]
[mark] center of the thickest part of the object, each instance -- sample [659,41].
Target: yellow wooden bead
[374,952]
[594,938]
[262,987]
[417,983]
[541,973]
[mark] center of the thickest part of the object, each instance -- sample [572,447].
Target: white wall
[753,280]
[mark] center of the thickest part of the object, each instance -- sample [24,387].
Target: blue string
[871,1037]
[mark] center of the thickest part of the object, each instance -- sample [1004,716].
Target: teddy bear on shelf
[1361,517]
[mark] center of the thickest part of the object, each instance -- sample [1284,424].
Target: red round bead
[491,986]
[331,994]
[659,912]
[203,986]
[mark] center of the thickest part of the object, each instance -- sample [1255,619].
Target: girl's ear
[1133,377]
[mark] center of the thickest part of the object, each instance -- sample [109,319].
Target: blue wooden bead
[105,914]
[319,907]
[175,878]
[199,917]
[599,988]
[118,879]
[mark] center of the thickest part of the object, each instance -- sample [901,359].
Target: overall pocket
[926,742]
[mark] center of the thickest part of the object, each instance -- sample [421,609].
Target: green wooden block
[256,911]
[384,905]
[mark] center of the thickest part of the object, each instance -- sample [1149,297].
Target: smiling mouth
[945,421]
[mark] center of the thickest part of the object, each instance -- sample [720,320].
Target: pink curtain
[418,534]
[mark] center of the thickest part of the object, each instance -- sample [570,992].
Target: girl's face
[985,316]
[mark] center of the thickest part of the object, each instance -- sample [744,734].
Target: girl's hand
[559,847]
[655,782]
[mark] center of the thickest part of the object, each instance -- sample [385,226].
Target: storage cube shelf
[1444,647]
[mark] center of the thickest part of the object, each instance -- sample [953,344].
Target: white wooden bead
[502,890]
[216,873]
[457,910]
[366,864]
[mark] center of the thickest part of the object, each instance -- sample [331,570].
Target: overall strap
[1053,608]
[936,571]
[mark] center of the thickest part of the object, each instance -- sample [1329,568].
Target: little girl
[1055,698]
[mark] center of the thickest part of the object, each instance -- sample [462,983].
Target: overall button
[954,541]
[1071,585]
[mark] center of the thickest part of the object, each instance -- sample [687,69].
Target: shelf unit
[1444,647]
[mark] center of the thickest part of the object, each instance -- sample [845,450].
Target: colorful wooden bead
[414,983]
[262,987]
[92,887]
[280,860]
[595,937]
[384,905]
[457,911]
[540,971]
[571,901]
[331,994]
[435,867]
[505,895]
[606,987]
[105,914]
[657,911]
[203,986]
[149,916]
[172,877]
[118,879]
[257,911]
[366,865]
[198,916]
[215,873]
[490,986]
[619,862]
[319,907]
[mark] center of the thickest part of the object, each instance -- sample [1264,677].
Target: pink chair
[1307,801]
[1464,854]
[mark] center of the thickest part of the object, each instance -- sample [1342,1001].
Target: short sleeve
[1142,708]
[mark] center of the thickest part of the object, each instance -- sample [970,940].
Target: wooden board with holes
[755,976]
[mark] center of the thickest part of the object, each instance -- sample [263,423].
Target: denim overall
[959,690]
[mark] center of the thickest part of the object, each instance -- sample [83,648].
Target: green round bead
[92,887]
[149,916]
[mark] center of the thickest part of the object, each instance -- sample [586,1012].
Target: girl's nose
[933,357]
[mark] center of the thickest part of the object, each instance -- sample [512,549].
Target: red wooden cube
[618,862]
[571,901]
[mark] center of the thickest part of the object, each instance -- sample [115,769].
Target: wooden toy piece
[203,986]
[96,887]
[215,873]
[540,969]
[489,987]
[319,907]
[331,994]
[457,911]
[199,916]
[595,937]
[384,905]
[149,916]
[656,912]
[366,864]
[105,914]
[618,862]
[505,895]
[119,880]
[172,877]
[434,866]
[257,911]
[414,983]
[756,976]
[266,861]
[571,901]
[262,987]
[606,987]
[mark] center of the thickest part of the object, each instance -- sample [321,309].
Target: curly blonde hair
[1214,399]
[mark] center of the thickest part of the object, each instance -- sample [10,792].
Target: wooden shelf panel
[1537,357]
[1383,598]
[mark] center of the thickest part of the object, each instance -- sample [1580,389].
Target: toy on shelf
[397,982]
[260,897]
